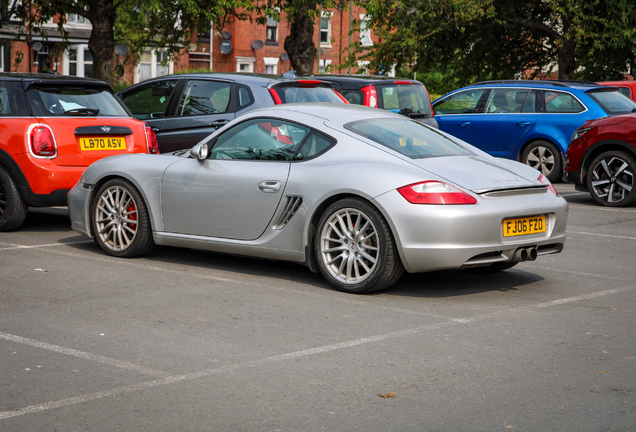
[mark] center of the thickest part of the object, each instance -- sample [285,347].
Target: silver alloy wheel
[116,218]
[612,181]
[349,246]
[542,159]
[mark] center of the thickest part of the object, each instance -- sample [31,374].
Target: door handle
[219,123]
[523,124]
[269,186]
[463,124]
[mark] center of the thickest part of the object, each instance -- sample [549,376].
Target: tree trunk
[300,42]
[102,40]
[567,60]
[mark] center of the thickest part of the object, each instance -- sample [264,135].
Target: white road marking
[602,208]
[83,355]
[17,246]
[601,235]
[294,355]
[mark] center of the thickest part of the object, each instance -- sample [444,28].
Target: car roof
[264,80]
[359,81]
[326,110]
[573,84]
[44,77]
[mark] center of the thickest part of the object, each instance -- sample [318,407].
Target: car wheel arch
[598,148]
[310,231]
[522,148]
[99,183]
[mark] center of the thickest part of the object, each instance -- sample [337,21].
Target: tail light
[341,97]
[151,141]
[402,82]
[42,142]
[435,192]
[370,96]
[543,180]
[275,96]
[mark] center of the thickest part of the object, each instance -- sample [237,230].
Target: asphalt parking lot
[185,340]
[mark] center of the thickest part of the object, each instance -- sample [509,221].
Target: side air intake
[290,207]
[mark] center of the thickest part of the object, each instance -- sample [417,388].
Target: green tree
[496,39]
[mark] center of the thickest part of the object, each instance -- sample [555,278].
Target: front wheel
[355,249]
[610,179]
[544,157]
[120,220]
[13,208]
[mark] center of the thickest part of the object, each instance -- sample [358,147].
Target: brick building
[242,46]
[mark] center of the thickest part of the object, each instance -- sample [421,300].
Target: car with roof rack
[51,128]
[530,121]
[185,108]
[399,95]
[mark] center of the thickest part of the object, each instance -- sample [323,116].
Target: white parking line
[81,354]
[623,210]
[17,246]
[294,355]
[601,235]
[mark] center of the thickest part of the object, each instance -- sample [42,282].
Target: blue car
[528,121]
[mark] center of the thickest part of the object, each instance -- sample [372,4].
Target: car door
[234,193]
[150,102]
[509,115]
[456,113]
[563,114]
[203,106]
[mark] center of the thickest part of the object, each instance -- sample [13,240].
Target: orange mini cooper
[51,129]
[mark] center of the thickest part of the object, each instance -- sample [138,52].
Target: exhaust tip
[532,254]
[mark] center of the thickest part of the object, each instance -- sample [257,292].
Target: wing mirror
[200,151]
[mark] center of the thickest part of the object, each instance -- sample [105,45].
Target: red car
[51,129]
[601,159]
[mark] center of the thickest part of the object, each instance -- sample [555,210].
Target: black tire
[360,256]
[544,157]
[13,208]
[610,179]
[120,221]
[492,268]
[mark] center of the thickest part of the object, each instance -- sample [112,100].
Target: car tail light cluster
[42,142]
[275,96]
[151,141]
[435,192]
[542,179]
[370,96]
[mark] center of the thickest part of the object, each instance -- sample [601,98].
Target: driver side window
[261,139]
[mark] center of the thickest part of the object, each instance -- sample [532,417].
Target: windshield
[311,93]
[404,99]
[73,100]
[613,101]
[408,137]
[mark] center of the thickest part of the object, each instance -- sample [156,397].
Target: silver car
[355,193]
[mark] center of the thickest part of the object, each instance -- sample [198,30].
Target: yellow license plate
[109,143]
[523,226]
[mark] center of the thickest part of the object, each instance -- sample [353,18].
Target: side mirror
[200,151]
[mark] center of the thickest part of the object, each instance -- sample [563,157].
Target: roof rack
[558,83]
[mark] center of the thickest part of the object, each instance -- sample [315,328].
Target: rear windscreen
[408,137]
[73,100]
[613,102]
[404,99]
[311,93]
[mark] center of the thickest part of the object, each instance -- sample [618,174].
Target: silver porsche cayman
[355,193]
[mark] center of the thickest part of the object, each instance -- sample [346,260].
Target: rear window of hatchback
[74,100]
[612,101]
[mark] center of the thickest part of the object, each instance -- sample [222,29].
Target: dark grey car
[399,95]
[185,108]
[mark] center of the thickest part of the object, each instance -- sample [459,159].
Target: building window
[150,65]
[77,61]
[324,66]
[325,29]
[88,64]
[271,65]
[75,19]
[271,30]
[245,64]
[365,32]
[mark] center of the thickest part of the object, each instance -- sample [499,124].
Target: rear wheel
[610,179]
[355,248]
[13,208]
[120,220]
[544,157]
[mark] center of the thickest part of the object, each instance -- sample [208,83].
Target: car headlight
[579,133]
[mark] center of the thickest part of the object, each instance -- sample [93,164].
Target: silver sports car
[357,193]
